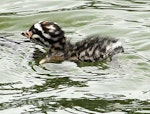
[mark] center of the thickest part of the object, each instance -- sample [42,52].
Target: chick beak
[27,34]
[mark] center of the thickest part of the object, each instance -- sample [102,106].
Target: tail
[114,48]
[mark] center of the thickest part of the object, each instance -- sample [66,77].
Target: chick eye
[33,31]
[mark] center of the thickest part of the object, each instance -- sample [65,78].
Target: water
[117,87]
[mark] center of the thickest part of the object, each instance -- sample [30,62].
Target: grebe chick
[91,49]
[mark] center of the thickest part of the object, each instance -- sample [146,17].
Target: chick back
[95,49]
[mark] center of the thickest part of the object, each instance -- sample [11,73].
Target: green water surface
[121,86]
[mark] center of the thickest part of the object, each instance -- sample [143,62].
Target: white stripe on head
[38,26]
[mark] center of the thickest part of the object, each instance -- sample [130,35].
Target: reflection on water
[117,87]
[37,98]
[94,105]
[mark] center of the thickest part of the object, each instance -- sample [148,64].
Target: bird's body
[91,49]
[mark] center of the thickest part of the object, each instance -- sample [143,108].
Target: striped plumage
[91,49]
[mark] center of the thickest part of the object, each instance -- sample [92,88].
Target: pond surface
[121,86]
